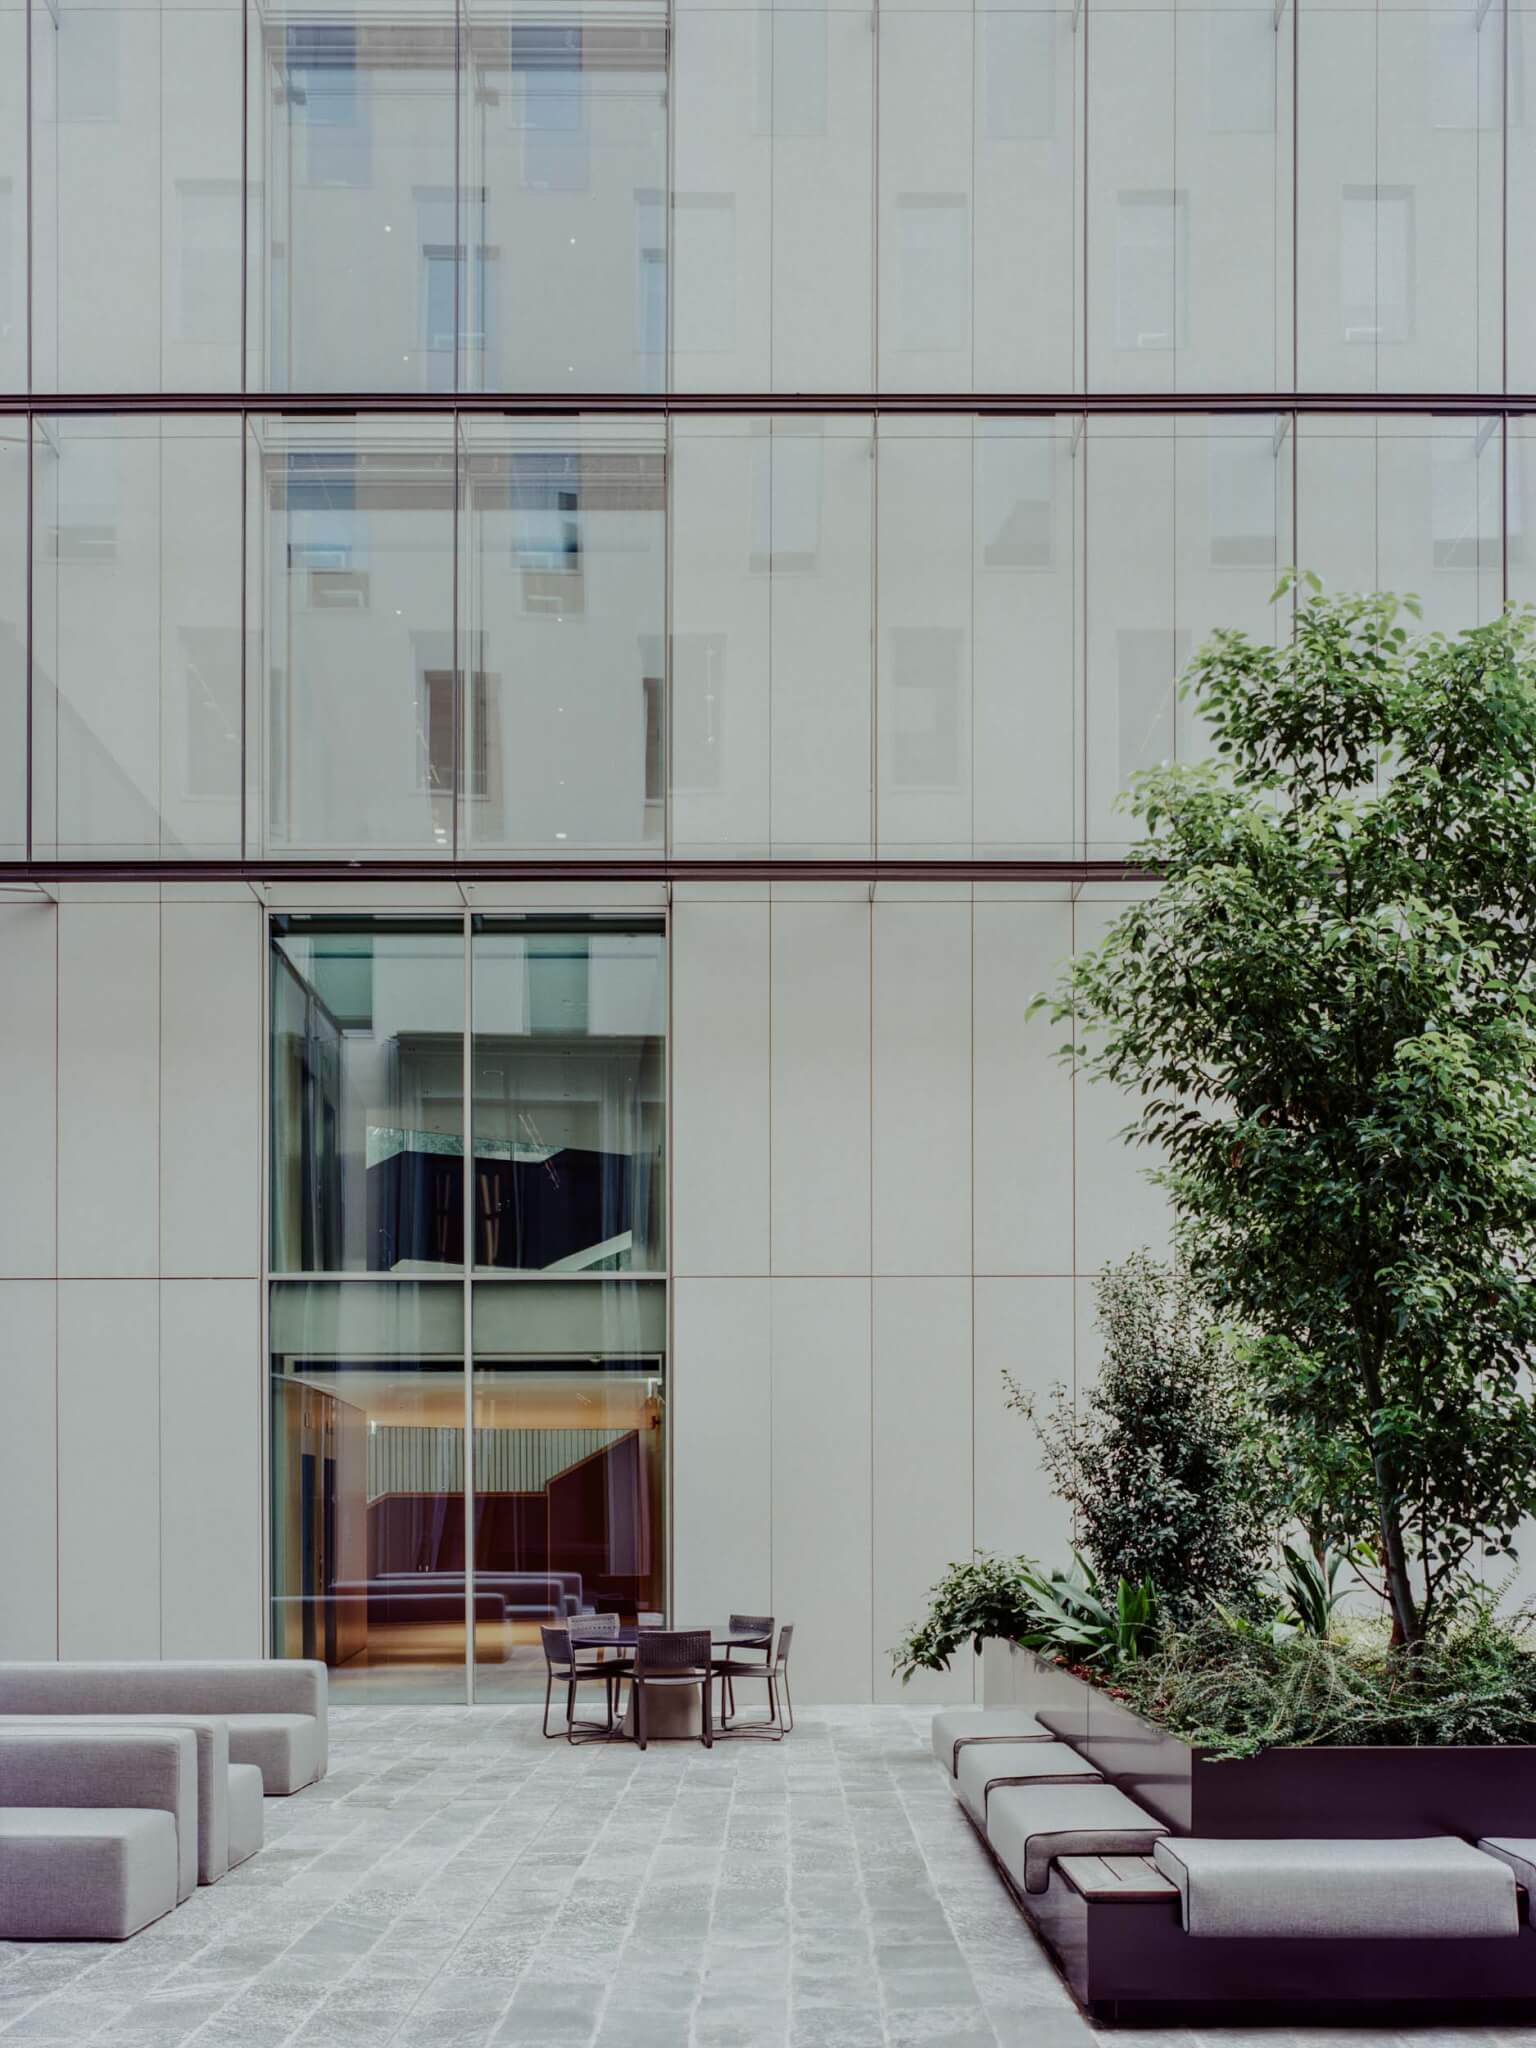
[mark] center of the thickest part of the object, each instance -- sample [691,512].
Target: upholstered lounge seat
[275,1708]
[106,1769]
[957,1726]
[84,1873]
[1029,1826]
[214,1783]
[984,1765]
[1431,1888]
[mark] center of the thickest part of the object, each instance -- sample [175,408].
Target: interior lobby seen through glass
[568,1114]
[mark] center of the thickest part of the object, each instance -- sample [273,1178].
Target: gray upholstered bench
[1430,1888]
[229,1811]
[984,1765]
[105,1770]
[275,1709]
[84,1873]
[956,1727]
[1029,1826]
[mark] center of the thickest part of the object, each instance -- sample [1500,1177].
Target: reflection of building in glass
[579,593]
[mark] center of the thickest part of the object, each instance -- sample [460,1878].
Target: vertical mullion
[467,1123]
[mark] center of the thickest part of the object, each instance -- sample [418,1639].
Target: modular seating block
[957,1726]
[214,1784]
[275,1709]
[984,1765]
[84,1873]
[107,1769]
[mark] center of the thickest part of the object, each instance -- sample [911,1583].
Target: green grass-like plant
[1233,1686]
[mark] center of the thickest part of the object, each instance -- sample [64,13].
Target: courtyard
[455,1881]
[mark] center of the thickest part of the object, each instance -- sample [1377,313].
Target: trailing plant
[985,1597]
[1165,1464]
[1326,1014]
[1234,1688]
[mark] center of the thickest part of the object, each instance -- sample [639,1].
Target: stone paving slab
[458,1882]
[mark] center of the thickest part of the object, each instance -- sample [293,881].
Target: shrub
[1165,1465]
[1062,1614]
[989,1596]
[1236,1687]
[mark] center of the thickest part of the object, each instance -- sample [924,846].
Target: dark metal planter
[1350,1793]
[1132,1961]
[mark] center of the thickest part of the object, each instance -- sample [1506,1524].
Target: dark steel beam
[544,404]
[641,870]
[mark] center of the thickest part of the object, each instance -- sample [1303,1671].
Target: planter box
[1129,1959]
[1359,1793]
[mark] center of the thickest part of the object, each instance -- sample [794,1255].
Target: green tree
[1326,1013]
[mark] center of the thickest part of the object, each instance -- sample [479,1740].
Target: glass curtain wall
[922,636]
[558,1494]
[490,180]
[483,195]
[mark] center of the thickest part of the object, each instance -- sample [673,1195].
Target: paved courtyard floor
[456,1881]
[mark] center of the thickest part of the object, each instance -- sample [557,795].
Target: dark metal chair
[748,1660]
[563,1662]
[781,1707]
[668,1658]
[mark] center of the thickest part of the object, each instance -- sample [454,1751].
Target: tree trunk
[1407,1623]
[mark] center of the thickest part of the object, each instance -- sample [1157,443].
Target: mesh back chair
[562,1661]
[749,1660]
[592,1633]
[667,1658]
[781,1708]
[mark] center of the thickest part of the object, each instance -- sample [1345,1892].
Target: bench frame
[1128,1960]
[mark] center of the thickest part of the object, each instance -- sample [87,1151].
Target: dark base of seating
[1130,1962]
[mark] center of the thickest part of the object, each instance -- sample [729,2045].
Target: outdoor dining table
[672,1711]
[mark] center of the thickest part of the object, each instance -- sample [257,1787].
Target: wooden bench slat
[1126,1878]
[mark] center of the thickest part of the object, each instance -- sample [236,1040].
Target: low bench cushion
[247,1819]
[1030,1825]
[81,1873]
[957,1726]
[985,1764]
[285,1748]
[1429,1888]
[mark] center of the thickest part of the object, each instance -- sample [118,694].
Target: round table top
[627,1636]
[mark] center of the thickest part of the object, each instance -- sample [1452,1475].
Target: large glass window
[350,571]
[135,198]
[565,139]
[354,222]
[13,639]
[136,637]
[562,613]
[570,1465]
[367,1462]
[367,1144]
[570,1099]
[563,1179]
